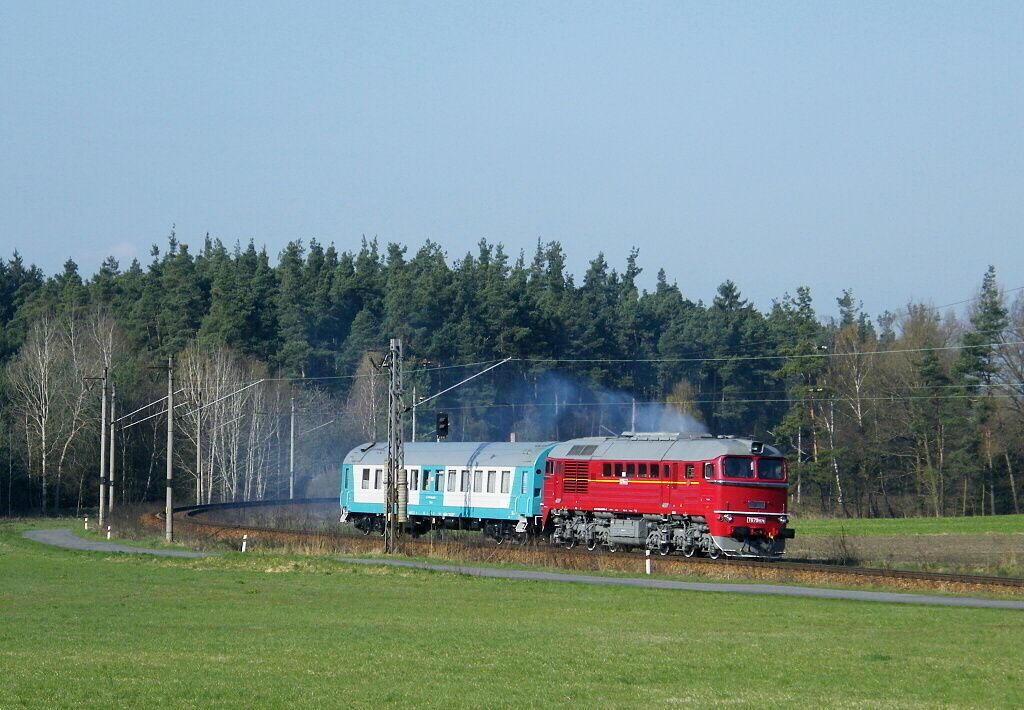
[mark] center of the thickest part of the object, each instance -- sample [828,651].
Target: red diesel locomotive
[686,493]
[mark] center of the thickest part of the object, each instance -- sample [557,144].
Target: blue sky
[872,146]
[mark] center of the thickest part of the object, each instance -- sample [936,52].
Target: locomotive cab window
[630,470]
[771,469]
[735,467]
[606,470]
[642,470]
[654,470]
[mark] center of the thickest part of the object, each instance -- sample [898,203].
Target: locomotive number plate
[756,520]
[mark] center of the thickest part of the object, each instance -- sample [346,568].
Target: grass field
[976,525]
[89,629]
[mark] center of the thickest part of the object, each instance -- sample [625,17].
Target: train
[671,493]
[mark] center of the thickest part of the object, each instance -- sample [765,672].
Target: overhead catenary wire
[790,400]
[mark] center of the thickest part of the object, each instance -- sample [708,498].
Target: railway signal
[442,426]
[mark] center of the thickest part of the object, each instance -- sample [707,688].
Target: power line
[823,355]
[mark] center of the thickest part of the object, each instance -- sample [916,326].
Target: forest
[918,411]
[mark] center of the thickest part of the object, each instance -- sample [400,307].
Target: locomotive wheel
[570,543]
[592,544]
[714,553]
[689,551]
[664,549]
[613,548]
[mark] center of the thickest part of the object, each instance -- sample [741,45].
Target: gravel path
[63,537]
[761,589]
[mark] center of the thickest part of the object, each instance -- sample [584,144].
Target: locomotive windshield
[771,469]
[734,467]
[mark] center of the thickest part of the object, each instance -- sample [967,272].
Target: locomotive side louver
[576,475]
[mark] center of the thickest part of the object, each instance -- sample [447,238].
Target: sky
[871,146]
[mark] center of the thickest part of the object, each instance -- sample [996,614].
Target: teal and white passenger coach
[491,486]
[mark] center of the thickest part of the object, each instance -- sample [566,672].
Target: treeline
[915,412]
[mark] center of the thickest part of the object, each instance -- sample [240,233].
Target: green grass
[262,630]
[910,526]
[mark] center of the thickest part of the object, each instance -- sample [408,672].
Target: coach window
[643,470]
[506,481]
[414,477]
[522,483]
[478,478]
[689,471]
[451,480]
[709,471]
[366,478]
[425,486]
[606,470]
[464,482]
[376,478]
[491,480]
[439,481]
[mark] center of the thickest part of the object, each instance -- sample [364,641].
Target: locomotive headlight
[727,518]
[783,520]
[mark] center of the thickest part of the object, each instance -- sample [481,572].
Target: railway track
[192,516]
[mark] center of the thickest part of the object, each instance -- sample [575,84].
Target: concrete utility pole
[397,509]
[113,467]
[291,455]
[103,451]
[169,506]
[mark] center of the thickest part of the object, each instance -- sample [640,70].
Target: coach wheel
[521,538]
[499,539]
[714,553]
[591,544]
[689,551]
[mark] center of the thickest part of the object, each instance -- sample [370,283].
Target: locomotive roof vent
[756,447]
[652,435]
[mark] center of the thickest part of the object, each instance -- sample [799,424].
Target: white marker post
[647,561]
[245,542]
[86,522]
[108,532]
